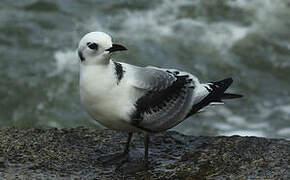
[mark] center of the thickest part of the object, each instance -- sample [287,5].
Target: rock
[73,154]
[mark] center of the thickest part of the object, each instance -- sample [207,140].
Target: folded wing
[166,101]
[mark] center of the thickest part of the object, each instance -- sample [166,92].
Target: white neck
[102,59]
[97,74]
[96,68]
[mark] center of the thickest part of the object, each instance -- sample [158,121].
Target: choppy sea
[244,39]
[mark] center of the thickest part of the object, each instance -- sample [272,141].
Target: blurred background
[244,39]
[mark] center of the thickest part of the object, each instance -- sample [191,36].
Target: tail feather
[216,95]
[220,87]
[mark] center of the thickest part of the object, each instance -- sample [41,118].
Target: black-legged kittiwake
[130,98]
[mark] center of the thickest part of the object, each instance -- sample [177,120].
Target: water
[244,39]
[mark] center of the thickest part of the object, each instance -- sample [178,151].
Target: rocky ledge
[73,154]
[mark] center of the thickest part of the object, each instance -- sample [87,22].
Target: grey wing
[167,99]
[150,78]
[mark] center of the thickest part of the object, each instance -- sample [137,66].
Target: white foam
[224,35]
[165,21]
[54,124]
[40,106]
[17,115]
[257,5]
[236,120]
[262,125]
[238,3]
[244,133]
[223,126]
[284,132]
[285,109]
[225,111]
[266,12]
[65,61]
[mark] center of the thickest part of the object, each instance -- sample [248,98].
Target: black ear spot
[93,46]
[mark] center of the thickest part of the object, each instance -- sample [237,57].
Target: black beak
[116,47]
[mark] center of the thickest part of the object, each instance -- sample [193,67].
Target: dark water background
[248,40]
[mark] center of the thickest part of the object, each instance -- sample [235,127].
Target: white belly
[107,102]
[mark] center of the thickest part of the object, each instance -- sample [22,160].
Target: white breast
[108,103]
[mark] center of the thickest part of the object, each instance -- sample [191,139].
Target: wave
[242,38]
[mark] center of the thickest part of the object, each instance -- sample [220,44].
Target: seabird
[130,98]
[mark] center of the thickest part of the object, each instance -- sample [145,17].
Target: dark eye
[93,46]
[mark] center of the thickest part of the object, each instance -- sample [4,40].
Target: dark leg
[133,167]
[119,156]
[126,150]
[146,144]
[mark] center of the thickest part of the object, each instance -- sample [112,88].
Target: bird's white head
[96,48]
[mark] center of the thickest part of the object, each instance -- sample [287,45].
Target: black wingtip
[223,84]
[231,96]
[216,94]
[227,82]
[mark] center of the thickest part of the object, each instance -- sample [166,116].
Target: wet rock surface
[74,153]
